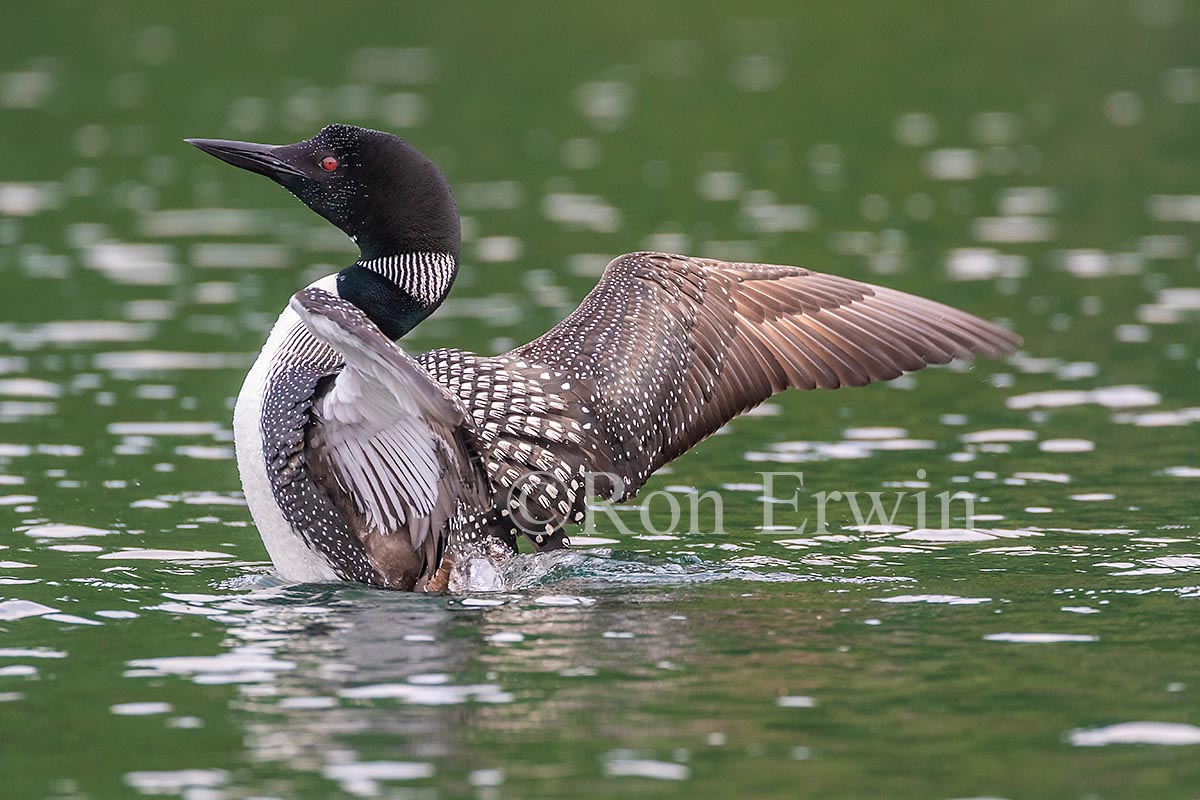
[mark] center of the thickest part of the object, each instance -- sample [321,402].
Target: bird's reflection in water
[373,675]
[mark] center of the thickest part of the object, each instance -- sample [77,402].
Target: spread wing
[667,349]
[678,346]
[390,446]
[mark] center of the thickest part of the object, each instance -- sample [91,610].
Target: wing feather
[667,348]
[390,445]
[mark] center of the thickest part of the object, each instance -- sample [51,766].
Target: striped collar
[425,276]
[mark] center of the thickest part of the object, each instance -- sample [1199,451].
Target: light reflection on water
[1035,651]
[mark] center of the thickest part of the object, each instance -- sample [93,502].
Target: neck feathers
[427,277]
[399,291]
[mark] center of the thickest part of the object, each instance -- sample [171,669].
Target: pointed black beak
[265,159]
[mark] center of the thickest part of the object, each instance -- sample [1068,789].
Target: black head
[380,190]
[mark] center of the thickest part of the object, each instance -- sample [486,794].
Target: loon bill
[361,463]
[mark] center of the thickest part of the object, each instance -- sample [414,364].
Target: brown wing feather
[667,349]
[679,346]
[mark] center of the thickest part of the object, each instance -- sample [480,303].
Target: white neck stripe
[426,276]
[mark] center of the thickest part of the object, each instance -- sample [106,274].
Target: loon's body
[361,463]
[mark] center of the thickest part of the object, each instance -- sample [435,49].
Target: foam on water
[1182,472]
[1109,397]
[240,664]
[948,535]
[428,695]
[1160,733]
[937,599]
[1040,638]
[176,781]
[178,428]
[18,671]
[19,609]
[362,778]
[646,768]
[1066,446]
[141,554]
[64,531]
[141,709]
[34,652]
[138,361]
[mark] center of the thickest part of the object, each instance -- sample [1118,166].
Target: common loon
[361,463]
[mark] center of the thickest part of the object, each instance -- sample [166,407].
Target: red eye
[329,163]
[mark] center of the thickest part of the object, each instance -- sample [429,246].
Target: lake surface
[1034,164]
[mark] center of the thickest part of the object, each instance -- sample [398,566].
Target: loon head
[381,191]
[386,196]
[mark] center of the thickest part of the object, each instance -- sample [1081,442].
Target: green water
[1030,162]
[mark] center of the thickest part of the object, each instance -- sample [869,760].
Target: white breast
[293,559]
